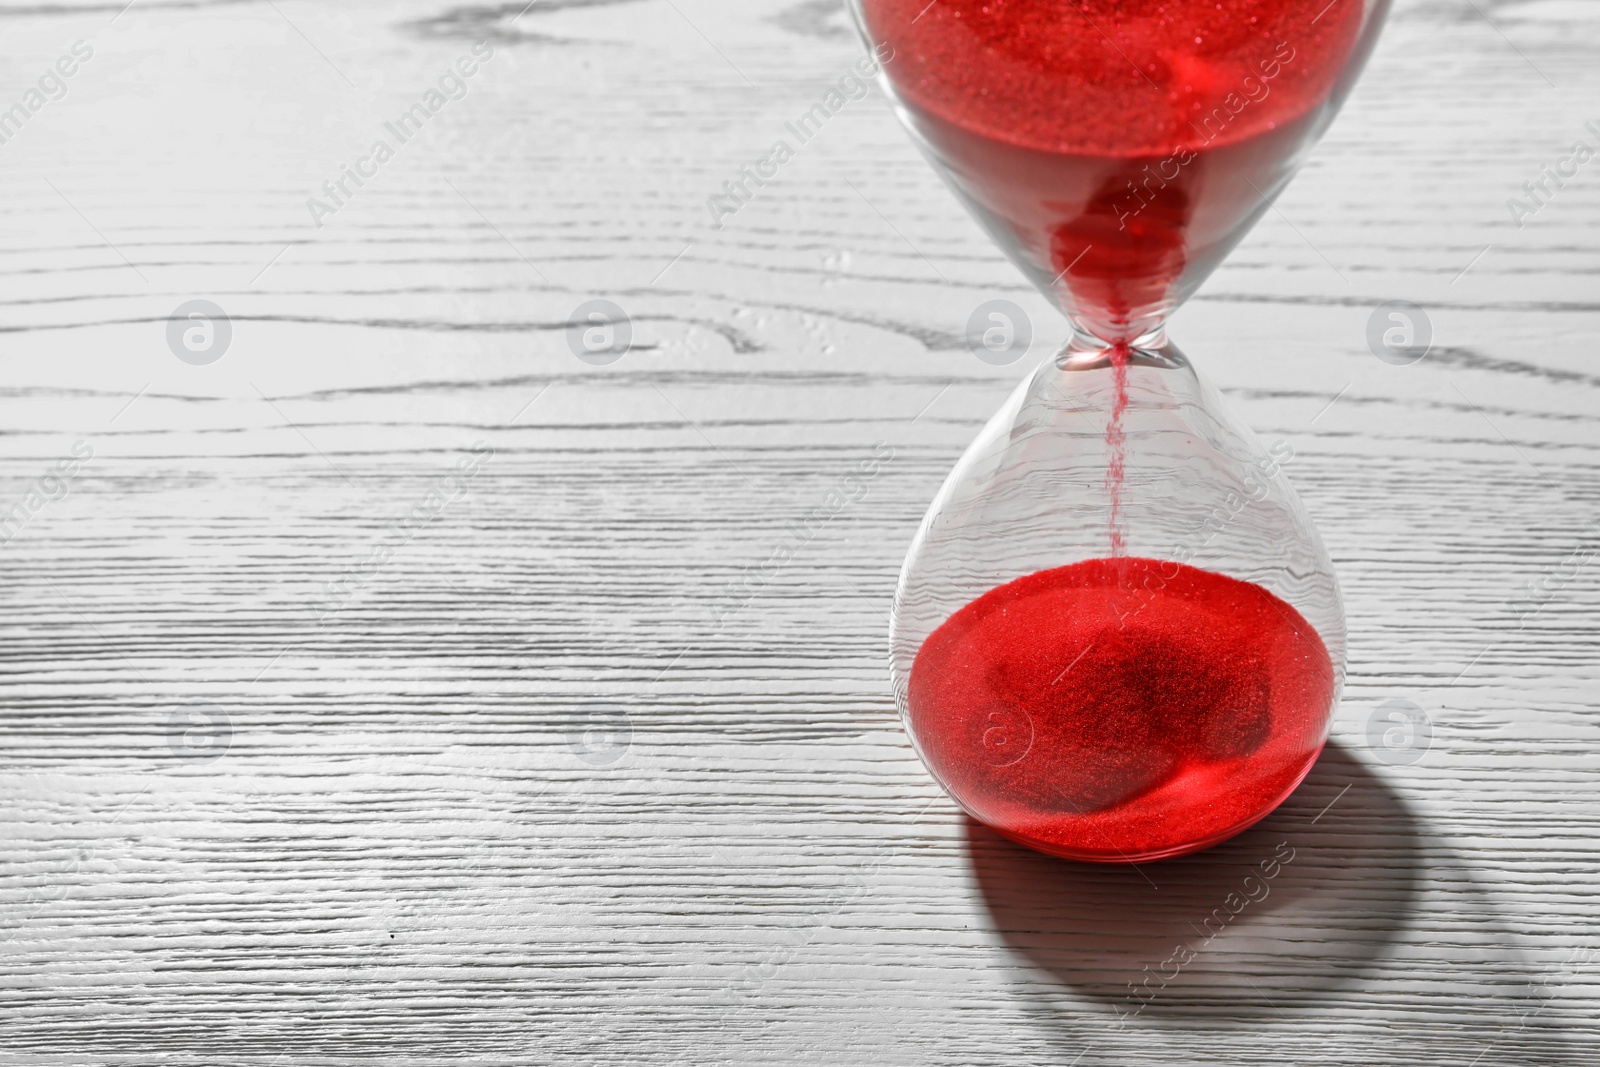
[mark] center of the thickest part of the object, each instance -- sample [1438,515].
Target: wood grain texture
[565,778]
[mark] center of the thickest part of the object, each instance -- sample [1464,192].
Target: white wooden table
[313,755]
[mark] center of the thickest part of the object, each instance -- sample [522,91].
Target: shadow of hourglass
[1285,915]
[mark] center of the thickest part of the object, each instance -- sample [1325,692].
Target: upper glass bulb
[1117,150]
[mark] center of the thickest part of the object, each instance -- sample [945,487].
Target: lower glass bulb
[1117,636]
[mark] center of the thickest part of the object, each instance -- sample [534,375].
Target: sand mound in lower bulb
[1121,709]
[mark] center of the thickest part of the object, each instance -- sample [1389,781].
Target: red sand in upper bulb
[1113,77]
[1121,709]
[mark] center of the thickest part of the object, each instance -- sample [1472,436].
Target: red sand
[1121,709]
[1113,78]
[1117,448]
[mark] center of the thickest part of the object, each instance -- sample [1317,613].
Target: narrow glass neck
[1085,351]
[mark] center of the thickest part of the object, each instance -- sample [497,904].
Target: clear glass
[1117,635]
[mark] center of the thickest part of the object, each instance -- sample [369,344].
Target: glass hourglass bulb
[1117,635]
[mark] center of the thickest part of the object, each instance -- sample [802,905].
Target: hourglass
[1117,635]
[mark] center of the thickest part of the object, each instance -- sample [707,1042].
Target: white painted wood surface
[398,845]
